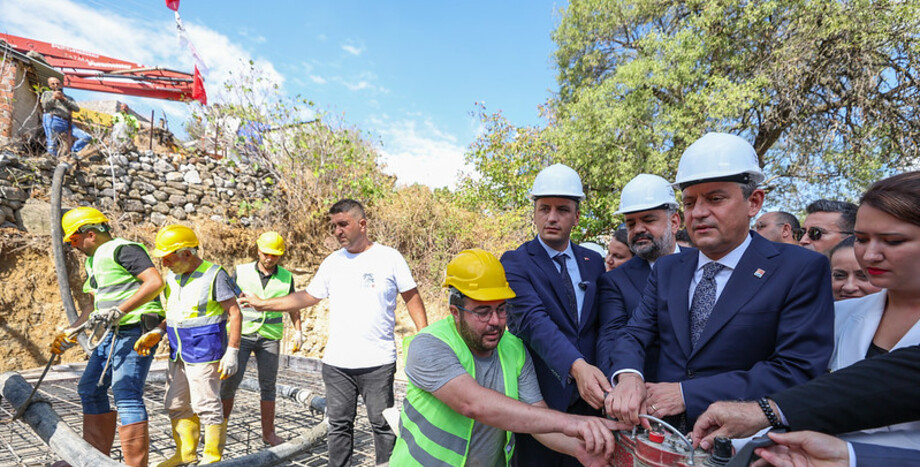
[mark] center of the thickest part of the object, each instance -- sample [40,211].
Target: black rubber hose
[57,249]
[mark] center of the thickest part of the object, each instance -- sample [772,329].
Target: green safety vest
[195,323]
[433,434]
[269,324]
[114,284]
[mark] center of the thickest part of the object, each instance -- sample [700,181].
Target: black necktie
[567,284]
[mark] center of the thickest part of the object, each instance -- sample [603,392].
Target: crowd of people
[548,349]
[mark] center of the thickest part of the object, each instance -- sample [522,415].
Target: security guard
[262,332]
[203,348]
[124,284]
[472,385]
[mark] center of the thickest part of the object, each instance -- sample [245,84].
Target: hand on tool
[148,341]
[297,342]
[63,341]
[229,364]
[109,316]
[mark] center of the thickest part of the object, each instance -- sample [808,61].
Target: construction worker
[57,119]
[262,331]
[125,286]
[203,347]
[472,385]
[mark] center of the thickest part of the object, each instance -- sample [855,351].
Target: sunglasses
[485,316]
[815,233]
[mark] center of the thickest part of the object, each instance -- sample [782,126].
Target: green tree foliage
[826,90]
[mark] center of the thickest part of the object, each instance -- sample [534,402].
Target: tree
[826,90]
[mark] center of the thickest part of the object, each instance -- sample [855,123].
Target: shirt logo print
[368,279]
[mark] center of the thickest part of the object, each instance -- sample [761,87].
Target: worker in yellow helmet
[203,324]
[472,385]
[262,331]
[125,286]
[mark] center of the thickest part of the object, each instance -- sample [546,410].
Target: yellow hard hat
[479,275]
[271,243]
[172,238]
[78,217]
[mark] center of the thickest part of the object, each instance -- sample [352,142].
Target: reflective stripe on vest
[114,284]
[195,322]
[268,324]
[430,432]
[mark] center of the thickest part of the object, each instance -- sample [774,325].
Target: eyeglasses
[815,233]
[485,315]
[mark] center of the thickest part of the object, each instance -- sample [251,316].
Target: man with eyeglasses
[362,280]
[780,227]
[827,223]
[472,385]
[555,308]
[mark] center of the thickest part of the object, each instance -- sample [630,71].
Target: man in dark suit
[737,319]
[871,393]
[554,310]
[652,221]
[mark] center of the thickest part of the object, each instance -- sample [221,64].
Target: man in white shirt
[361,281]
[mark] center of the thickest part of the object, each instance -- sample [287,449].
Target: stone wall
[154,187]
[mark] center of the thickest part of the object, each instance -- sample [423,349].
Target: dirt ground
[31,310]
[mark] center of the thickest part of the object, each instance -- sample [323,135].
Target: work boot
[99,430]
[186,432]
[267,409]
[135,442]
[215,437]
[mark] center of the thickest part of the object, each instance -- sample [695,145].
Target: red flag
[172,5]
[198,92]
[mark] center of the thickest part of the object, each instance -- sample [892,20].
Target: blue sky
[409,73]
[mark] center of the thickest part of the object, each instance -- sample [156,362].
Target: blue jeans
[343,385]
[55,126]
[126,375]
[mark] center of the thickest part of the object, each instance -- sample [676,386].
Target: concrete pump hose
[57,249]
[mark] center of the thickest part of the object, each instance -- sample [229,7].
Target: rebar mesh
[19,446]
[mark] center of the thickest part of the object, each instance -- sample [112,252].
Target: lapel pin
[759,273]
[587,259]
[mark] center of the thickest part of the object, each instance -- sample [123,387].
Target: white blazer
[856,323]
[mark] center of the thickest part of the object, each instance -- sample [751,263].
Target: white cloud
[418,152]
[353,49]
[357,86]
[317,79]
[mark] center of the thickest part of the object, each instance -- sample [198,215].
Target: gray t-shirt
[430,364]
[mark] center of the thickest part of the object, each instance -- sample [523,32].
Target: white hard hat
[644,192]
[718,157]
[594,247]
[557,180]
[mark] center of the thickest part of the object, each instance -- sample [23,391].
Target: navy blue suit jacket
[871,455]
[772,327]
[537,315]
[619,292]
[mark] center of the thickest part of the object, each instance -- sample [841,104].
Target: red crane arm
[94,72]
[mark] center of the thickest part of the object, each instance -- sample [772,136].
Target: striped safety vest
[114,284]
[433,434]
[269,324]
[195,322]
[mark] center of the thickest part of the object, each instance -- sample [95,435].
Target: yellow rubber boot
[215,437]
[186,432]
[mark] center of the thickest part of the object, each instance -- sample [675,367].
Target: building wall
[8,71]
[18,102]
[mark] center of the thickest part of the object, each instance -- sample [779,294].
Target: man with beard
[471,385]
[652,222]
[362,280]
[740,317]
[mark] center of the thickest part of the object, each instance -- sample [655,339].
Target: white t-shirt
[362,290]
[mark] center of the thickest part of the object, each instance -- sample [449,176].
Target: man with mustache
[362,280]
[739,318]
[652,222]
[471,385]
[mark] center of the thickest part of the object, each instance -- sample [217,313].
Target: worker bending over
[203,348]
[262,331]
[471,385]
[124,285]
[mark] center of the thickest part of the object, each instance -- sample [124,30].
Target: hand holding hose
[64,340]
[109,316]
[297,342]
